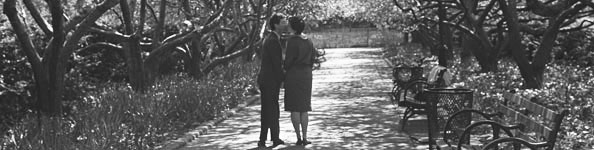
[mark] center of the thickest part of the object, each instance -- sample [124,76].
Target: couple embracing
[286,60]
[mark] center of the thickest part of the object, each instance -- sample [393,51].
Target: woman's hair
[297,24]
[275,19]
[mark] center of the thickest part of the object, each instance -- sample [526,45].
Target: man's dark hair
[275,19]
[297,24]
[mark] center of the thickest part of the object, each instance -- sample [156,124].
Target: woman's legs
[296,119]
[304,121]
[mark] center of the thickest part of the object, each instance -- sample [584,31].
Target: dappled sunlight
[351,110]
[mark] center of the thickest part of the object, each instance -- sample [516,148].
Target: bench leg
[408,112]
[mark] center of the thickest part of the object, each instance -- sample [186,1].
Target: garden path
[351,110]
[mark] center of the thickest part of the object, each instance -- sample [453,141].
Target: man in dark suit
[270,79]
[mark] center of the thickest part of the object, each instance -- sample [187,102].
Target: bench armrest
[410,85]
[394,95]
[448,124]
[494,144]
[495,125]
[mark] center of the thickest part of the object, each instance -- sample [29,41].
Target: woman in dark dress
[298,80]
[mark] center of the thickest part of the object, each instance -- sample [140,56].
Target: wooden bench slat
[513,116]
[538,111]
[541,124]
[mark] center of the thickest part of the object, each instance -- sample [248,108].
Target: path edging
[204,127]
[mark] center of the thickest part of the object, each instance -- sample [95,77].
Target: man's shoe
[305,142]
[277,142]
[261,144]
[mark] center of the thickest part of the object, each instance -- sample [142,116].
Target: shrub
[566,87]
[115,117]
[569,87]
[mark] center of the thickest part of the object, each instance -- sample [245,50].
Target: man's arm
[275,49]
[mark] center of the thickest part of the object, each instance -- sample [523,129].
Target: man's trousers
[269,113]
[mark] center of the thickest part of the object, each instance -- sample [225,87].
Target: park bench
[409,85]
[411,97]
[524,122]
[403,74]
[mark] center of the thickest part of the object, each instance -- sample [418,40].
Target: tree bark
[468,43]
[56,66]
[533,72]
[158,33]
[49,72]
[482,48]
[133,51]
[42,85]
[155,57]
[445,53]
[515,45]
[44,25]
[186,9]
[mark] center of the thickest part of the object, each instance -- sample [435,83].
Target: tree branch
[588,2]
[405,10]
[71,24]
[580,27]
[219,60]
[110,34]
[58,37]
[542,9]
[154,14]
[22,34]
[85,24]
[42,23]
[103,45]
[530,30]
[460,27]
[140,29]
[549,36]
[153,58]
[186,9]
[160,25]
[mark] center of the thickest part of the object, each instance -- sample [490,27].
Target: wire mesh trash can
[442,102]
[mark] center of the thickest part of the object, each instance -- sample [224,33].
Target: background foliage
[568,86]
[115,117]
[102,112]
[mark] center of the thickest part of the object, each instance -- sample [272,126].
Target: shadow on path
[351,110]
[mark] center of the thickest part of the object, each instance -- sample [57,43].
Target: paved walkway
[351,110]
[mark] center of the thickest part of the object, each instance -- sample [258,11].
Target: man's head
[297,25]
[278,23]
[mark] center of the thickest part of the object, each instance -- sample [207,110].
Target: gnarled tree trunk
[50,69]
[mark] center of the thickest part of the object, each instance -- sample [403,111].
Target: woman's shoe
[299,142]
[261,144]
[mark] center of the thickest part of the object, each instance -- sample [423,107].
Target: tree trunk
[40,73]
[194,64]
[56,62]
[468,44]
[517,49]
[133,52]
[48,77]
[160,26]
[445,54]
[49,72]
[533,72]
[44,25]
